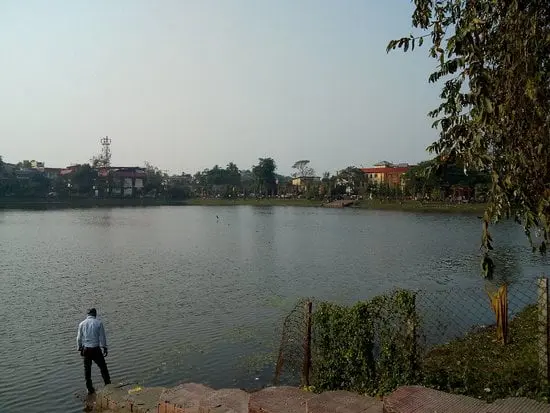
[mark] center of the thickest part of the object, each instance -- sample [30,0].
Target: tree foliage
[303,169]
[218,180]
[351,177]
[493,59]
[265,175]
[430,176]
[233,175]
[155,179]
[84,178]
[26,164]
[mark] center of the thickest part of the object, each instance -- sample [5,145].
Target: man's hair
[92,312]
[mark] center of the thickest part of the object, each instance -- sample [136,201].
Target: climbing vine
[369,347]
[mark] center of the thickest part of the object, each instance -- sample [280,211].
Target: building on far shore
[304,183]
[387,173]
[123,181]
[51,173]
[37,165]
[68,170]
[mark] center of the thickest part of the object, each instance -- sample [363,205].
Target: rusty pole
[307,345]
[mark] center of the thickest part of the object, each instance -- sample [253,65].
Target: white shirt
[91,333]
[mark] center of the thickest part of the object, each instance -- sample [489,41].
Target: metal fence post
[412,326]
[307,345]
[542,304]
[280,360]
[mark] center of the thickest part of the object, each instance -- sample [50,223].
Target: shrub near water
[369,348]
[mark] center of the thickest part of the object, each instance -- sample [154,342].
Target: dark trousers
[94,354]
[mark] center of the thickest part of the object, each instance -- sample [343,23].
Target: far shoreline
[379,205]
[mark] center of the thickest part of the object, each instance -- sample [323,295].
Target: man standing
[90,340]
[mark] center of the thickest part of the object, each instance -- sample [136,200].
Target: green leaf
[496,117]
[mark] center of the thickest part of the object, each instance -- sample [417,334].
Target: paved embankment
[339,204]
[197,398]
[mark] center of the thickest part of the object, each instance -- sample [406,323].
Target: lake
[189,297]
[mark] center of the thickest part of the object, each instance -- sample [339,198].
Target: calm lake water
[187,297]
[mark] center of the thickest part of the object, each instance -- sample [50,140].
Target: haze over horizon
[186,85]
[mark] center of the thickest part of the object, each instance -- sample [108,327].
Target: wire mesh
[452,313]
[444,315]
[292,350]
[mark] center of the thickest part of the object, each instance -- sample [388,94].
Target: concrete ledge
[343,402]
[517,405]
[186,395]
[417,399]
[225,401]
[279,400]
[166,407]
[197,398]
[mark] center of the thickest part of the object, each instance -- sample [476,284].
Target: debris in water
[135,390]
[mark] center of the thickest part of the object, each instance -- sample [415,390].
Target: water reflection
[187,296]
[102,219]
[507,268]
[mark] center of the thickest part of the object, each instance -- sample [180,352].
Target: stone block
[146,400]
[186,395]
[343,402]
[517,405]
[225,401]
[111,398]
[279,400]
[166,407]
[417,399]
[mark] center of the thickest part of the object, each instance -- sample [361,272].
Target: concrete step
[417,399]
[111,397]
[517,405]
[118,399]
[186,395]
[225,401]
[146,400]
[343,402]
[172,408]
[279,400]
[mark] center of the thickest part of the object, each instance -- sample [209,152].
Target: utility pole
[105,157]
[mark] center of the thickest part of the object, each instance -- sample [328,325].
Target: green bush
[368,348]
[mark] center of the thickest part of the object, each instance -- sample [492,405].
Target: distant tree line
[430,180]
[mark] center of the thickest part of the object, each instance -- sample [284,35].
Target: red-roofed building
[52,173]
[387,173]
[125,181]
[68,170]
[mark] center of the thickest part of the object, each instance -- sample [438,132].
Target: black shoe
[91,391]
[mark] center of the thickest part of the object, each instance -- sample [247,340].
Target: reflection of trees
[507,268]
[105,220]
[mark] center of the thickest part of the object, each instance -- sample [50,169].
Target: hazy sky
[189,84]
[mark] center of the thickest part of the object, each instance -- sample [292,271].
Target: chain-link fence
[448,314]
[293,350]
[457,340]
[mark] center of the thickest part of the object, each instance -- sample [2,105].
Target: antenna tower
[105,151]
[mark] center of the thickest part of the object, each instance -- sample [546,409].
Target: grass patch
[81,203]
[477,366]
[417,206]
[411,206]
[254,202]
